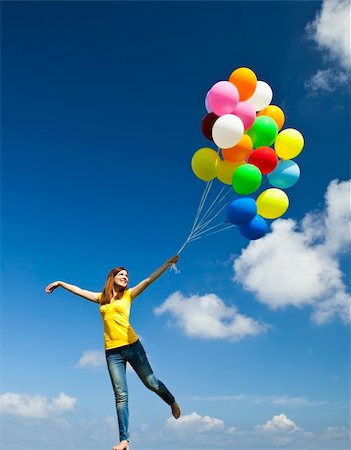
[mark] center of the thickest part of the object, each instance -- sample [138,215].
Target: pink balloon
[247,113]
[223,98]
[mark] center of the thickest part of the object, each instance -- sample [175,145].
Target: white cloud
[278,424]
[208,317]
[34,406]
[92,358]
[331,31]
[299,264]
[62,424]
[338,432]
[281,431]
[197,430]
[327,80]
[195,423]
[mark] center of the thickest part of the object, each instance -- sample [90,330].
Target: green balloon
[263,132]
[246,179]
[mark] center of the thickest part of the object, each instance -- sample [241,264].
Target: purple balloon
[207,104]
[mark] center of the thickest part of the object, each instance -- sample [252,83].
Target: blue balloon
[241,210]
[285,174]
[255,229]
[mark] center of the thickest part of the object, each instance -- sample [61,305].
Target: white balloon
[262,96]
[227,131]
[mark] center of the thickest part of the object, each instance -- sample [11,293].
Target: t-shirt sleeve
[128,292]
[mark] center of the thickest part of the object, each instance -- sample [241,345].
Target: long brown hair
[107,292]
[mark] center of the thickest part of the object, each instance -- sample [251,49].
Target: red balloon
[207,124]
[265,158]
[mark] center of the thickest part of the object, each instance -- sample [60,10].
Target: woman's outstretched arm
[138,289]
[88,295]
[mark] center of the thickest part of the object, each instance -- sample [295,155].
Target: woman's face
[121,279]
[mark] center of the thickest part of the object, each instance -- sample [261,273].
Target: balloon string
[213,232]
[196,235]
[203,229]
[198,213]
[202,203]
[199,225]
[209,210]
[202,225]
[204,198]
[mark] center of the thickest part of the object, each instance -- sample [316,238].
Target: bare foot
[175,410]
[123,445]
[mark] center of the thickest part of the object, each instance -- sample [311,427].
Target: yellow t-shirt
[117,329]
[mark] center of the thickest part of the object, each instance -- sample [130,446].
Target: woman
[121,342]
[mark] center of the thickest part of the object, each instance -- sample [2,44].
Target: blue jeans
[116,363]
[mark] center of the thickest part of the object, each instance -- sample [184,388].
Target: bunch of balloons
[248,131]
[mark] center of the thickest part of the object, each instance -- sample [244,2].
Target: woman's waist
[121,347]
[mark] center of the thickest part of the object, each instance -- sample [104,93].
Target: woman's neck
[117,292]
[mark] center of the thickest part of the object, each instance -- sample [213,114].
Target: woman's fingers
[174,259]
[51,287]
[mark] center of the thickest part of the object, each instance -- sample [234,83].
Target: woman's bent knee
[152,383]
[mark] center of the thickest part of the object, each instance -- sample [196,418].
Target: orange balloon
[245,81]
[240,151]
[275,113]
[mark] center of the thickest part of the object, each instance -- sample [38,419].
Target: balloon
[207,106]
[241,210]
[204,163]
[227,131]
[225,170]
[207,124]
[244,125]
[272,203]
[264,158]
[276,113]
[255,229]
[289,143]
[262,96]
[223,98]
[246,179]
[245,80]
[263,132]
[246,112]
[240,151]
[285,174]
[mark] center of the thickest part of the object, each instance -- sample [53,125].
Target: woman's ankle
[123,445]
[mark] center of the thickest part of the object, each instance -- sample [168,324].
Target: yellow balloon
[225,170]
[272,203]
[289,143]
[204,163]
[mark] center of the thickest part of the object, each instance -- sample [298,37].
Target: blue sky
[101,110]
